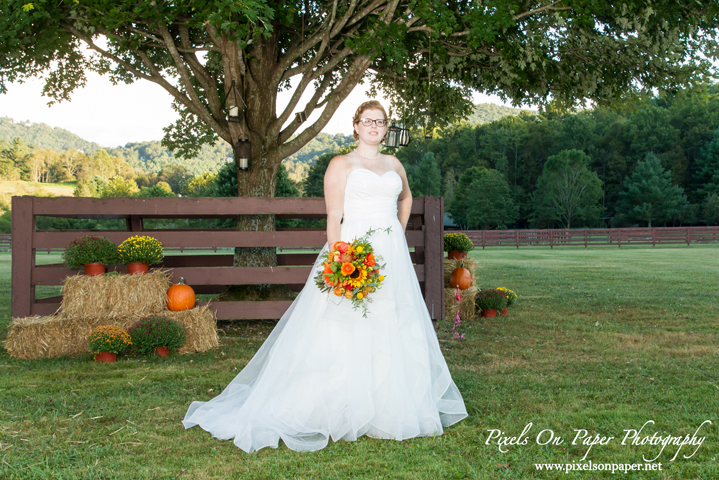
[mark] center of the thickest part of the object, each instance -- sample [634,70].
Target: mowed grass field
[18,187]
[602,340]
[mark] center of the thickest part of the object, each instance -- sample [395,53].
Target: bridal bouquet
[351,271]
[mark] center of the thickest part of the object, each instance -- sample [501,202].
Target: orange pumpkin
[180,296]
[460,276]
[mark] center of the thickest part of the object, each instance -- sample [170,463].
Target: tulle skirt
[326,372]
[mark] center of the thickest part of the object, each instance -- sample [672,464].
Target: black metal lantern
[404,138]
[234,115]
[391,140]
[243,153]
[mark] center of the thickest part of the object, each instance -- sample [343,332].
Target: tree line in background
[656,164]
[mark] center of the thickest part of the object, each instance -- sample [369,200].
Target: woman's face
[371,134]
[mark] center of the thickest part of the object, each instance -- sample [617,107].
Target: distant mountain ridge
[490,112]
[42,136]
[151,156]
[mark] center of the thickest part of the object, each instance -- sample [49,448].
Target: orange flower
[328,268]
[329,281]
[347,268]
[348,294]
[338,292]
[369,261]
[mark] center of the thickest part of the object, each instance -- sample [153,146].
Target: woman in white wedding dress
[325,371]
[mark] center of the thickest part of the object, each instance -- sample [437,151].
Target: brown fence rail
[208,273]
[5,243]
[592,236]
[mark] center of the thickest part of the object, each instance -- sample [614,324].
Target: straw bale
[449,266]
[108,297]
[200,328]
[51,336]
[60,334]
[466,309]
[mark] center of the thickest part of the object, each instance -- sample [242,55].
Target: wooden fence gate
[207,273]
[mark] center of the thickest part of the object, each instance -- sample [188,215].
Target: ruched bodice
[370,195]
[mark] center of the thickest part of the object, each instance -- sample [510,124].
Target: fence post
[551,238]
[516,232]
[433,257]
[23,258]
[585,237]
[654,237]
[483,244]
[689,238]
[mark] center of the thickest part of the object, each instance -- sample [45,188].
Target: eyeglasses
[380,122]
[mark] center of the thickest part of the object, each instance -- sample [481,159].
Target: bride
[325,371]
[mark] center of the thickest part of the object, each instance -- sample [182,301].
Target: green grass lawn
[603,340]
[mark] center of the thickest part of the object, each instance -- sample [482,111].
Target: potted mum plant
[161,335]
[511,298]
[106,341]
[140,251]
[489,301]
[457,245]
[91,252]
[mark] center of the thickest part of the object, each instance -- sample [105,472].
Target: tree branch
[550,6]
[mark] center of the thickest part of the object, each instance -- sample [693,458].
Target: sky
[114,115]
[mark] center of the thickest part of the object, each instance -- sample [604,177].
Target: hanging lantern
[300,117]
[243,152]
[404,137]
[391,140]
[234,115]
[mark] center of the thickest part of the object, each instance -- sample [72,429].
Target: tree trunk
[259,181]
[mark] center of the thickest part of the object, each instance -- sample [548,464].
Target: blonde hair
[369,105]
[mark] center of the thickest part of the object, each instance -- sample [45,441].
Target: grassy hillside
[16,188]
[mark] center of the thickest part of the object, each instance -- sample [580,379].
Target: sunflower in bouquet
[352,271]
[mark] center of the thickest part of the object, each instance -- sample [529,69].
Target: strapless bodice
[370,195]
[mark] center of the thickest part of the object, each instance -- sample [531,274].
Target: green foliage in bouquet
[108,338]
[89,249]
[152,332]
[140,249]
[511,296]
[491,298]
[457,241]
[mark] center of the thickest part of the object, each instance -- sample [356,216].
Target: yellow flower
[381,277]
[359,295]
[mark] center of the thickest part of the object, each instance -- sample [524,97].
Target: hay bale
[200,328]
[57,335]
[449,266]
[51,336]
[116,296]
[466,309]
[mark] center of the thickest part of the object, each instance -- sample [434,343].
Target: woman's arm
[404,200]
[335,182]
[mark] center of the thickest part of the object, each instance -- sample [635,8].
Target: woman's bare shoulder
[396,164]
[338,166]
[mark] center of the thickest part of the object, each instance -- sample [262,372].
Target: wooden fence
[592,236]
[5,243]
[207,273]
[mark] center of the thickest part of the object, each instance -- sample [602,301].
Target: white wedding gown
[325,371]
